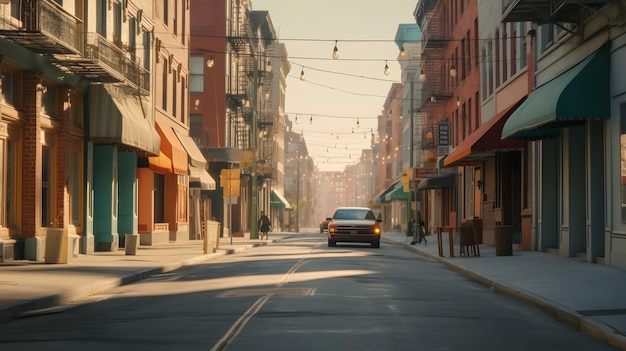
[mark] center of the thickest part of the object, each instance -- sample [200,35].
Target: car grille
[354,229]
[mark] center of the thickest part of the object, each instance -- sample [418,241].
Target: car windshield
[354,214]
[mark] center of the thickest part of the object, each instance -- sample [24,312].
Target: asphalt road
[299,294]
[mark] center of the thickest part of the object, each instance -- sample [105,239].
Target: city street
[299,294]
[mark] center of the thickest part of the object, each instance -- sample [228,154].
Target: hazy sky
[337,94]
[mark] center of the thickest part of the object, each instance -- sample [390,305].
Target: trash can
[56,246]
[131,243]
[503,238]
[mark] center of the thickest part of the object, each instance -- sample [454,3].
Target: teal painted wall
[105,194]
[127,177]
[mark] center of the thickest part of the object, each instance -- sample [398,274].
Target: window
[3,176]
[497,57]
[164,85]
[622,119]
[183,100]
[75,192]
[183,197]
[146,51]
[196,79]
[547,36]
[132,38]
[8,186]
[483,76]
[522,46]
[46,187]
[117,24]
[76,110]
[174,92]
[166,12]
[49,101]
[175,18]
[505,66]
[10,88]
[463,58]
[184,25]
[490,64]
[101,17]
[513,48]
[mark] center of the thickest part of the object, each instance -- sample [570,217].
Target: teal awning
[397,194]
[278,200]
[578,94]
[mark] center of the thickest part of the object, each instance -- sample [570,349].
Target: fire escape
[45,27]
[264,38]
[554,11]
[239,81]
[434,70]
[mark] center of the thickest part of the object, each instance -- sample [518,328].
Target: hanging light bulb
[335,51]
[311,120]
[386,69]
[402,52]
[296,121]
[210,62]
[453,71]
[302,74]
[358,124]
[458,101]
[422,76]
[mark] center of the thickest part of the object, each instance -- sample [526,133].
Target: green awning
[578,94]
[447,180]
[397,194]
[278,200]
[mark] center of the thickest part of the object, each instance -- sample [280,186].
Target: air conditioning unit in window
[443,150]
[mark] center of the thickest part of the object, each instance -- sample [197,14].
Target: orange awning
[172,148]
[484,141]
[160,164]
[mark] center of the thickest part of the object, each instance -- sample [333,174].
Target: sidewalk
[589,297]
[28,286]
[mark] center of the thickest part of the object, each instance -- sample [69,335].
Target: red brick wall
[62,154]
[31,156]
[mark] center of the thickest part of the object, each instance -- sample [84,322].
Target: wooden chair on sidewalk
[468,240]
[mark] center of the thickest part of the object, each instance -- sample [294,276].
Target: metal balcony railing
[115,61]
[42,26]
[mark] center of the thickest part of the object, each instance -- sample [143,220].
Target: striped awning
[196,158]
[116,117]
[200,178]
[172,148]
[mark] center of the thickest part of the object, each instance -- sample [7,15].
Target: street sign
[422,173]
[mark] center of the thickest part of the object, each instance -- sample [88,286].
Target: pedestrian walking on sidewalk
[264,224]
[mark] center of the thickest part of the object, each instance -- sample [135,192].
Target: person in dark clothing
[418,232]
[409,230]
[264,224]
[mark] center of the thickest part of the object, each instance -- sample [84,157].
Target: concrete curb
[584,324]
[21,308]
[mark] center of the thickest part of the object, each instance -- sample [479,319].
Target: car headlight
[377,230]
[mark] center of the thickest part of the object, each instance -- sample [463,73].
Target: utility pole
[254,196]
[298,192]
